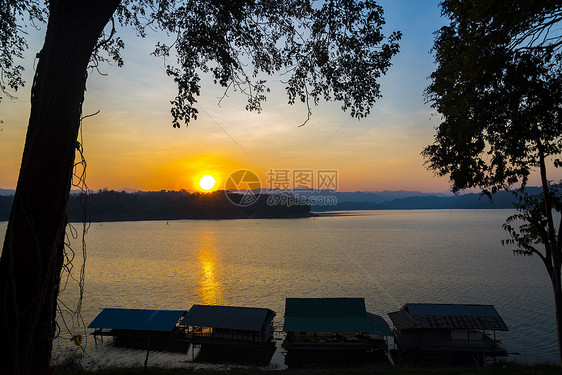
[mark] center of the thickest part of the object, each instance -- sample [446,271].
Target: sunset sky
[131,142]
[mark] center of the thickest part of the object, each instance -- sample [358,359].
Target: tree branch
[547,205]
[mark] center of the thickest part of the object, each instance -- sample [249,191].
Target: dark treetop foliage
[332,50]
[498,89]
[12,42]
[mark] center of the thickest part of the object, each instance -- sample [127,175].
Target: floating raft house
[332,324]
[333,331]
[449,330]
[229,324]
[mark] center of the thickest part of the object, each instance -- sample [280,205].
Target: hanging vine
[71,317]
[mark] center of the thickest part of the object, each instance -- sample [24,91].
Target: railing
[201,334]
[477,342]
[228,336]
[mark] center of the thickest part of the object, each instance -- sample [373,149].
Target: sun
[207,182]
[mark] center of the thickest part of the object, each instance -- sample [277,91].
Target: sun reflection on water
[210,288]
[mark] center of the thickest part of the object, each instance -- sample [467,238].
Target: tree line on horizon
[110,205]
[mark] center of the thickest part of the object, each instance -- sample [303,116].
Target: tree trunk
[32,255]
[557,288]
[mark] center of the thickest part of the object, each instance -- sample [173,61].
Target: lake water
[388,257]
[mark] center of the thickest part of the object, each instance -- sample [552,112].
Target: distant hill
[6,192]
[501,200]
[370,196]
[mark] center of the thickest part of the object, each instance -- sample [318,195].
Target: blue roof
[137,319]
[332,315]
[228,317]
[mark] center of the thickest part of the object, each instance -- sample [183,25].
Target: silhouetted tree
[498,88]
[328,50]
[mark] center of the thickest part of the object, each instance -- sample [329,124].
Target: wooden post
[147,353]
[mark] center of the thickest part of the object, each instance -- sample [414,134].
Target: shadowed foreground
[500,369]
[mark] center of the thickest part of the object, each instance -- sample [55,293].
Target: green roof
[332,315]
[378,325]
[325,307]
